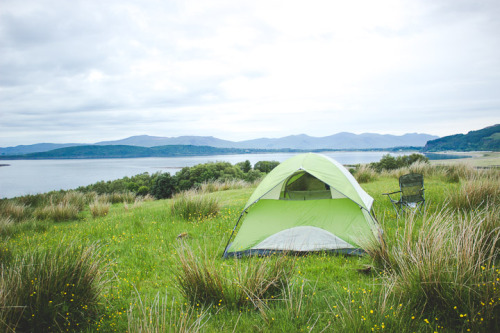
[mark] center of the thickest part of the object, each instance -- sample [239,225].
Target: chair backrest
[412,187]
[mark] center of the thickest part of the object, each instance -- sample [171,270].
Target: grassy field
[438,272]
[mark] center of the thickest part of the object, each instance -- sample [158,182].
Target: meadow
[89,262]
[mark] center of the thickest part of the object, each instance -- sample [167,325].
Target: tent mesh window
[304,186]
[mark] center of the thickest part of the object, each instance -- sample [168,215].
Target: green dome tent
[307,203]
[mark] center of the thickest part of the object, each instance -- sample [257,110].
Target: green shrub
[164,186]
[52,290]
[389,162]
[245,166]
[266,166]
[143,190]
[193,177]
[191,205]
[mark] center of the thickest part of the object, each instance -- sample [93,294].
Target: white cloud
[91,71]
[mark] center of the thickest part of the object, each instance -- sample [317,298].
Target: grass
[438,271]
[235,284]
[161,314]
[53,289]
[191,205]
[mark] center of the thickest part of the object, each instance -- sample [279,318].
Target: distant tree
[164,186]
[266,166]
[245,166]
[253,175]
[389,162]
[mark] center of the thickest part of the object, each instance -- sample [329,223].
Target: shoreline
[474,158]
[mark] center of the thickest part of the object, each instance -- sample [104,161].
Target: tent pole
[232,233]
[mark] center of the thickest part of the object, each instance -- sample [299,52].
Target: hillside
[485,139]
[124,151]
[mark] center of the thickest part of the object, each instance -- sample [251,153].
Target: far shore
[475,158]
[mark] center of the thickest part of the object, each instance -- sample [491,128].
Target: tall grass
[447,266]
[365,174]
[191,205]
[118,197]
[162,315]
[202,280]
[52,290]
[62,211]
[13,210]
[224,185]
[99,208]
[476,192]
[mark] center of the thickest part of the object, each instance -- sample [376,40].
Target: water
[24,177]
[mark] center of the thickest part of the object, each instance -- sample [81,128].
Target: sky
[84,71]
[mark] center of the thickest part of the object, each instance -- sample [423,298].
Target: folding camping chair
[411,193]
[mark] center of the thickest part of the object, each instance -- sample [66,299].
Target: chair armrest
[391,193]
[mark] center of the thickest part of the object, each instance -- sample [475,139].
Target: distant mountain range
[304,142]
[484,139]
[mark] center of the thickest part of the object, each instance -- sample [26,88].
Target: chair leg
[395,205]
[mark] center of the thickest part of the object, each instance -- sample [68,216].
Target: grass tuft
[99,208]
[365,174]
[52,290]
[475,193]
[448,266]
[191,205]
[162,315]
[63,211]
[235,283]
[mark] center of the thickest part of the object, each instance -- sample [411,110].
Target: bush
[388,162]
[191,205]
[164,186]
[52,290]
[245,166]
[193,177]
[266,166]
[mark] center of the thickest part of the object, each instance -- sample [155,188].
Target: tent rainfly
[309,202]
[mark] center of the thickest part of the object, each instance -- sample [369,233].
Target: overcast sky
[88,71]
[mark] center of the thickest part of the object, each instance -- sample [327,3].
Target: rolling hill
[484,139]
